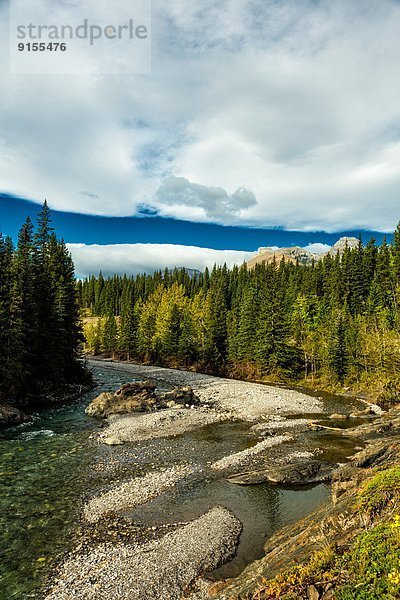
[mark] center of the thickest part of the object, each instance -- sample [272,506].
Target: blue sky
[146,243]
[90,229]
[260,123]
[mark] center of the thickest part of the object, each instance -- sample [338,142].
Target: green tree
[338,353]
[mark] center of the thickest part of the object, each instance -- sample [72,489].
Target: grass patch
[373,565]
[378,493]
[299,577]
[370,568]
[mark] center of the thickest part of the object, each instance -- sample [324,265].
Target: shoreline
[220,400]
[246,400]
[12,416]
[309,388]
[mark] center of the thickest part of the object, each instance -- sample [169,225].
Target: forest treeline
[40,329]
[335,322]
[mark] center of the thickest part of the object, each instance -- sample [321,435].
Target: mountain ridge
[295,254]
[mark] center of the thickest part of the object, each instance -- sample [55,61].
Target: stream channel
[50,465]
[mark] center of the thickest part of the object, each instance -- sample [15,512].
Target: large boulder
[11,416]
[138,396]
[181,395]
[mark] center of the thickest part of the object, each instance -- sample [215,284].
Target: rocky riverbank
[10,415]
[244,400]
[279,447]
[316,558]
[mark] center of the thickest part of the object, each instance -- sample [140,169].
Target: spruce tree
[6,258]
[23,317]
[338,353]
[396,254]
[216,325]
[110,335]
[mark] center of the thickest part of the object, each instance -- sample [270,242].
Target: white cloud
[295,102]
[147,258]
[317,248]
[211,202]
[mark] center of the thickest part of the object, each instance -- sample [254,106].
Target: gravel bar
[157,570]
[248,401]
[134,492]
[165,423]
[272,426]
[239,458]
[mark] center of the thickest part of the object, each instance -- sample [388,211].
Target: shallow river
[46,467]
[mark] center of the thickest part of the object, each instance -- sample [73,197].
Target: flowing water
[48,465]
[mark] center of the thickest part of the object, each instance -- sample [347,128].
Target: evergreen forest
[333,324]
[40,329]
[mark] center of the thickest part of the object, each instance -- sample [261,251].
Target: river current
[46,469]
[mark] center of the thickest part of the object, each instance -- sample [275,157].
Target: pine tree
[128,337]
[23,316]
[40,333]
[216,326]
[6,257]
[338,352]
[396,253]
[247,324]
[110,335]
[272,334]
[384,283]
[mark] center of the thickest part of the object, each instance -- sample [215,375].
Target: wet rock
[387,424]
[9,415]
[301,472]
[338,417]
[361,413]
[112,441]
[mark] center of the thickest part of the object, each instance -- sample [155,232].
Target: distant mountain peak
[296,254]
[342,243]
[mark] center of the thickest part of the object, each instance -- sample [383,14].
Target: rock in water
[300,472]
[100,405]
[11,416]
